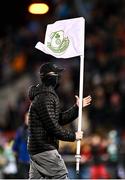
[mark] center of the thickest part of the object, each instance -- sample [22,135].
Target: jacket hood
[34,90]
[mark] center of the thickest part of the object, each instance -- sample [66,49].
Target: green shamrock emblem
[58,43]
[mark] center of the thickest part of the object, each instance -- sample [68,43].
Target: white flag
[64,38]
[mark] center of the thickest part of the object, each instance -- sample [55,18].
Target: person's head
[50,74]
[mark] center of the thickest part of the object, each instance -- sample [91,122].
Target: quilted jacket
[46,120]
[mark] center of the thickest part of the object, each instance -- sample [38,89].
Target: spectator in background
[116,111]
[113,138]
[3,158]
[10,168]
[20,149]
[11,114]
[98,112]
[86,156]
[121,156]
[98,168]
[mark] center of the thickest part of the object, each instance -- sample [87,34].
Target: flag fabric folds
[64,38]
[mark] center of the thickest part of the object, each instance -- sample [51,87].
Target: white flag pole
[78,156]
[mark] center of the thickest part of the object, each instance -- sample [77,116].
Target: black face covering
[51,80]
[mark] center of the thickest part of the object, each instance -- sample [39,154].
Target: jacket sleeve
[50,120]
[69,115]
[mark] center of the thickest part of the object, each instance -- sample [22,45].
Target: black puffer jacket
[46,120]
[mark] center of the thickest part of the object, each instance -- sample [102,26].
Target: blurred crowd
[102,156]
[104,78]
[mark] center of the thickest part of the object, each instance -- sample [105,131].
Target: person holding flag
[46,125]
[63,39]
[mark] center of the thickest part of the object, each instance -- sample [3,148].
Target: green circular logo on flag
[58,43]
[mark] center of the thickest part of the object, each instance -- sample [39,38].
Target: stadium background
[103,147]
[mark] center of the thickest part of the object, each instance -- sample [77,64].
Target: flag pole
[78,156]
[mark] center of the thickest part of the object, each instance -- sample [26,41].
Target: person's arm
[68,116]
[50,120]
[72,113]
